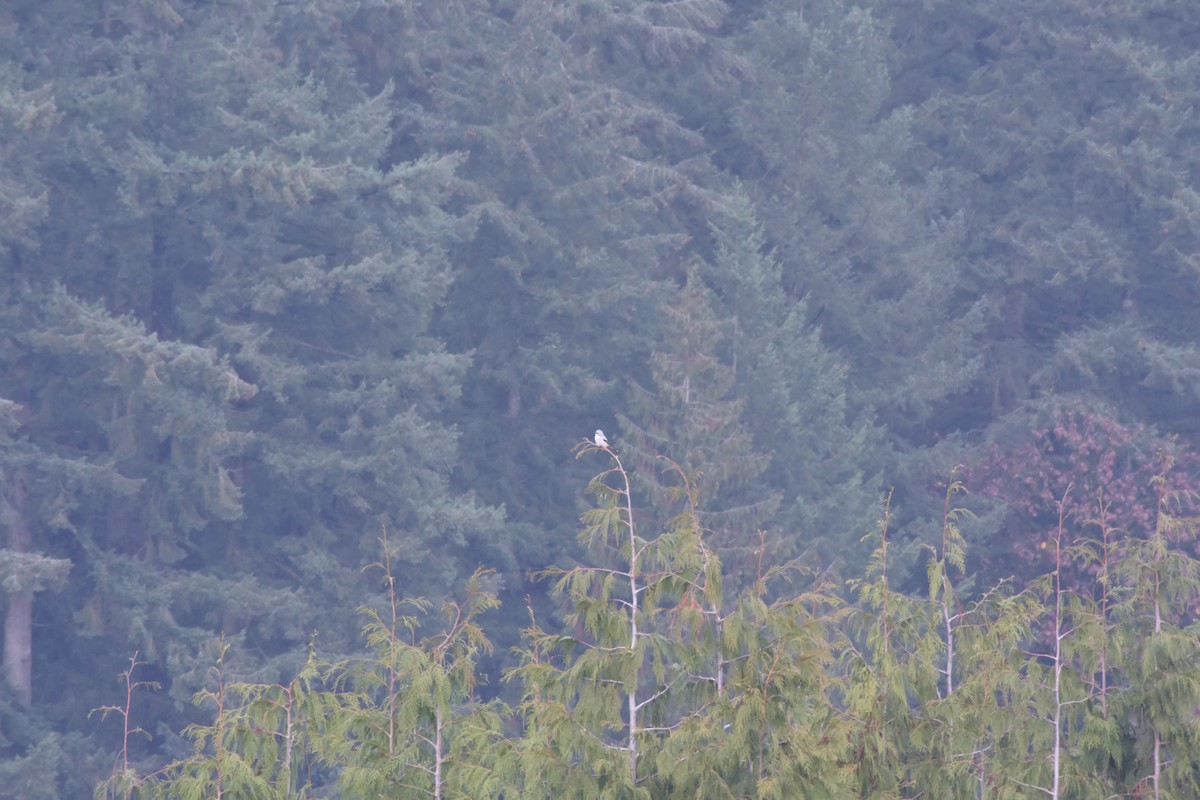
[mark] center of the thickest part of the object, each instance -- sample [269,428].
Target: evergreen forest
[888,310]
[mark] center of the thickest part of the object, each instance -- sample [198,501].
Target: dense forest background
[281,280]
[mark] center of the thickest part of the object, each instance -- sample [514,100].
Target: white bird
[601,440]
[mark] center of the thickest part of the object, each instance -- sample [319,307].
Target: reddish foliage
[1101,461]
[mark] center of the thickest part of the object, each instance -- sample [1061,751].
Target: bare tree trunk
[18,645]
[18,619]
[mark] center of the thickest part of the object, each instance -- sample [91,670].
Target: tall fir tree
[690,416]
[586,194]
[237,384]
[861,230]
[796,389]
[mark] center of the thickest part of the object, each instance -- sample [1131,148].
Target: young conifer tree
[755,717]
[418,729]
[876,662]
[662,687]
[1054,666]
[600,699]
[691,415]
[938,663]
[963,666]
[402,722]
[1157,705]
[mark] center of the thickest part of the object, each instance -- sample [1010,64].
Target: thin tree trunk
[18,645]
[18,619]
[633,620]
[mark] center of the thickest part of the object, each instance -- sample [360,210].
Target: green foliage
[404,722]
[868,245]
[598,700]
[662,685]
[1162,683]
[260,745]
[274,275]
[419,729]
[745,394]
[688,415]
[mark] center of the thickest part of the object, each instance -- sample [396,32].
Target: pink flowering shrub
[1103,461]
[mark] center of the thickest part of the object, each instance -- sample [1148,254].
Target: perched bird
[601,440]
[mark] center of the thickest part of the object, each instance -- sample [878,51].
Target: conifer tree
[419,729]
[597,699]
[879,674]
[403,721]
[940,766]
[795,393]
[658,668]
[755,717]
[587,194]
[690,416]
[831,165]
[1163,685]
[241,252]
[147,465]
[1070,637]
[27,112]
